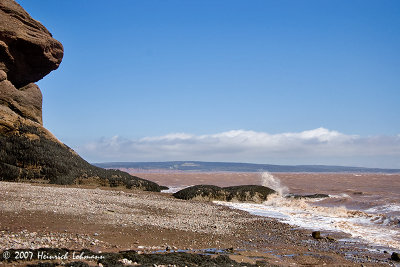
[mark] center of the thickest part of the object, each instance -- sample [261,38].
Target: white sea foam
[373,227]
[174,189]
[385,208]
[343,195]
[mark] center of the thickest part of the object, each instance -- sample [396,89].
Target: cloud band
[318,146]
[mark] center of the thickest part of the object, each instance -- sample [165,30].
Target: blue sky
[224,80]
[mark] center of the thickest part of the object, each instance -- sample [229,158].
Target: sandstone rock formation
[28,52]
[242,193]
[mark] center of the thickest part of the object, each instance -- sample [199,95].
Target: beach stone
[316,235]
[395,256]
[331,239]
[126,261]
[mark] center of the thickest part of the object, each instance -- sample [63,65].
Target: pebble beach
[111,220]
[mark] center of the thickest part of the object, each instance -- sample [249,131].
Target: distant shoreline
[200,166]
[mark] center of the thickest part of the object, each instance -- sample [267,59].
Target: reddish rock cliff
[28,52]
[28,151]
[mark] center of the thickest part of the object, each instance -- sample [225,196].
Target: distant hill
[199,166]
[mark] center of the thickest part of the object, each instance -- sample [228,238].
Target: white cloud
[318,146]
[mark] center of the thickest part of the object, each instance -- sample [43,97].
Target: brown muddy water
[363,206]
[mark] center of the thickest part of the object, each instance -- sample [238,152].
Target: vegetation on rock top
[245,193]
[27,159]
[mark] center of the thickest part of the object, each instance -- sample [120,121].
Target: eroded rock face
[28,151]
[25,101]
[28,52]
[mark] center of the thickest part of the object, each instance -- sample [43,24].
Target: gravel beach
[110,220]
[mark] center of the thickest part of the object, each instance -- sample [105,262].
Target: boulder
[249,193]
[29,152]
[242,193]
[316,235]
[202,192]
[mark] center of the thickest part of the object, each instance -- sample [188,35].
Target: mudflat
[111,220]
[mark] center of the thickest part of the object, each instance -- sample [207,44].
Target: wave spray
[268,180]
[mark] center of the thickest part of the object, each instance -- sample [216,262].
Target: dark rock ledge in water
[29,152]
[307,196]
[243,193]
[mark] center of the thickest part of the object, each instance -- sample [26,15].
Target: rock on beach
[244,193]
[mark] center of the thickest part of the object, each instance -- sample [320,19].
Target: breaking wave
[369,225]
[268,180]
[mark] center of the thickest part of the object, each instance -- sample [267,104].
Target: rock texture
[242,193]
[28,52]
[307,196]
[27,48]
